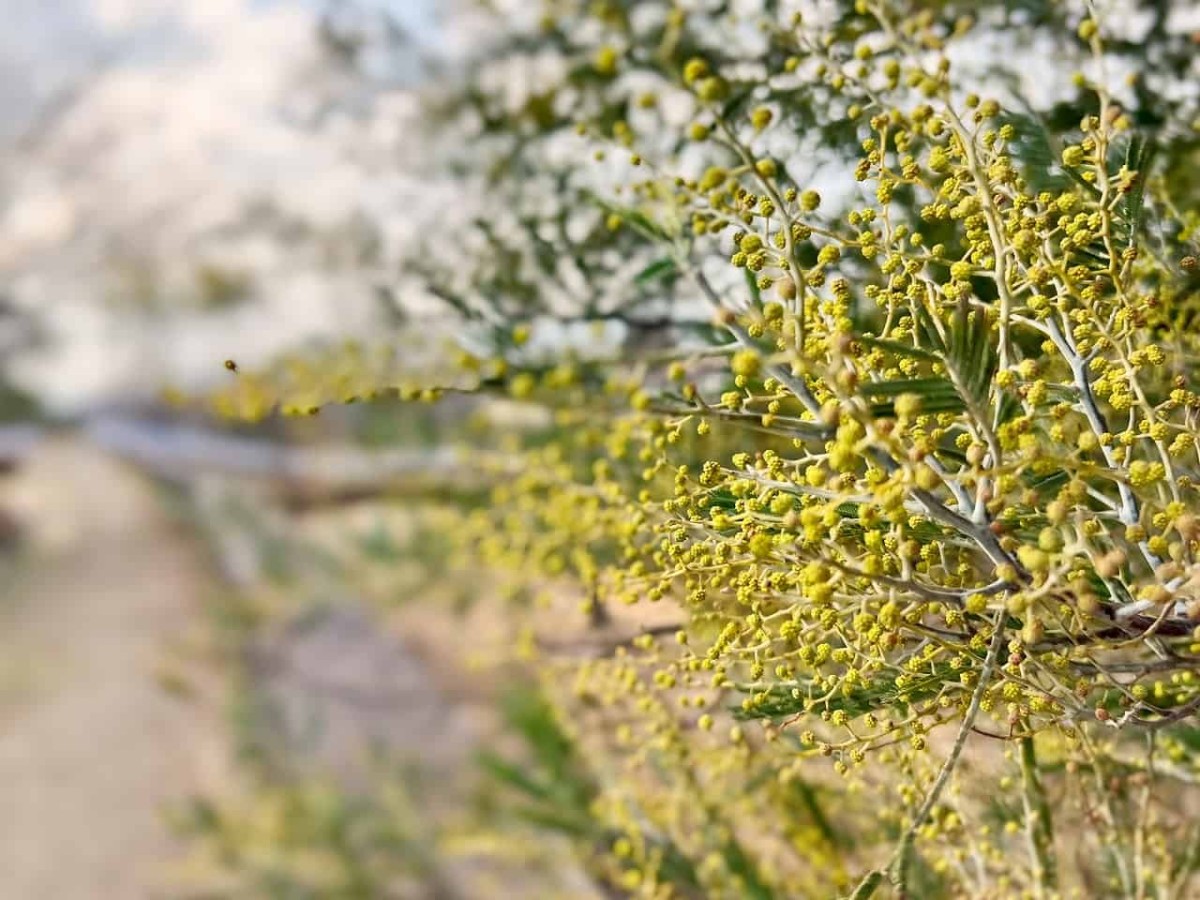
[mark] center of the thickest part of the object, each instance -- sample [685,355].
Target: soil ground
[91,746]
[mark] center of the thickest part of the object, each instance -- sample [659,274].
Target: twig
[779,373]
[1039,828]
[899,861]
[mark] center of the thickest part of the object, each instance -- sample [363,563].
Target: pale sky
[139,133]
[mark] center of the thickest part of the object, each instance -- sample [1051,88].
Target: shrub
[915,463]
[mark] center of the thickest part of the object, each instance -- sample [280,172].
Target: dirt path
[90,746]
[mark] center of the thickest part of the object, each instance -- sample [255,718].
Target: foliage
[312,840]
[924,495]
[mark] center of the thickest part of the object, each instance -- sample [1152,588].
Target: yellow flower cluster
[936,474]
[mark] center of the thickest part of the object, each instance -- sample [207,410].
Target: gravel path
[91,748]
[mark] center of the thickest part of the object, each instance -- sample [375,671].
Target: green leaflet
[639,221]
[971,356]
[879,694]
[937,395]
[964,347]
[899,349]
[1139,158]
[868,886]
[1033,149]
[752,285]
[931,387]
[660,268]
